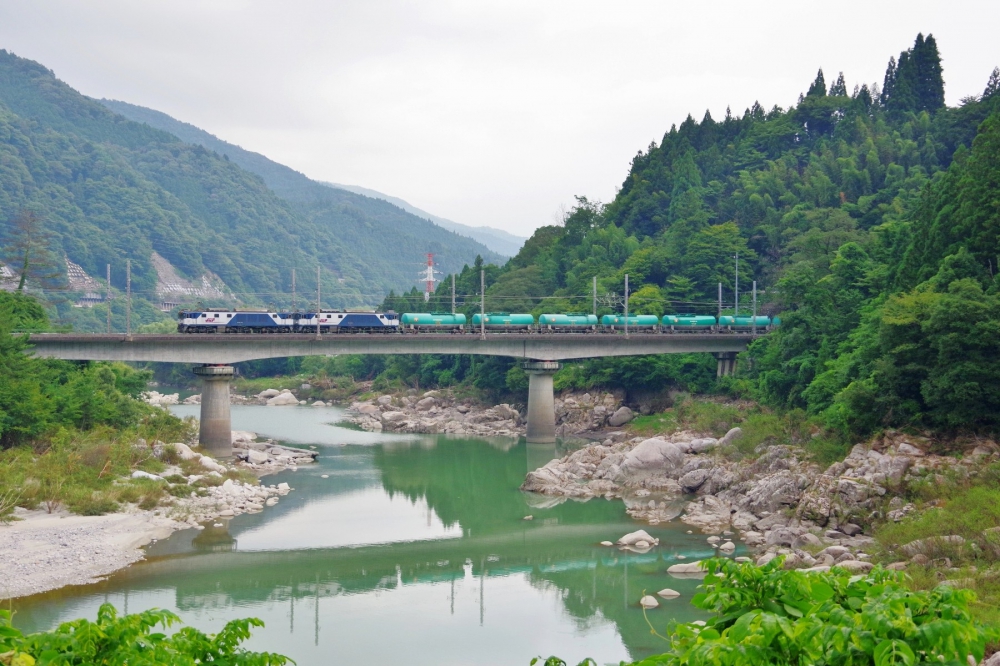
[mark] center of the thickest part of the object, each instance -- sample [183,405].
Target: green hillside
[109,189]
[869,218]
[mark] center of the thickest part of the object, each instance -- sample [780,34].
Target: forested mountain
[870,220]
[108,188]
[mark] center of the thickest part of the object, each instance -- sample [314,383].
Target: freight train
[264,321]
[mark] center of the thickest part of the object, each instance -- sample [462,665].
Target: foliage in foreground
[765,615]
[129,639]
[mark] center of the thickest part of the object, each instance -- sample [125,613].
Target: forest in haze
[868,217]
[107,189]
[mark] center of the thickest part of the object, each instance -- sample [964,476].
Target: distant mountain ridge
[110,188]
[294,186]
[497,240]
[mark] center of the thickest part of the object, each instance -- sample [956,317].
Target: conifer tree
[930,81]
[818,88]
[993,85]
[889,83]
[839,88]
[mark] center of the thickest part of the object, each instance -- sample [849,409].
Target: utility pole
[720,301]
[109,299]
[319,305]
[293,290]
[482,304]
[626,305]
[128,298]
[753,322]
[736,309]
[595,295]
[453,293]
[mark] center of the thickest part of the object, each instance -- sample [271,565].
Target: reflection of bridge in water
[541,354]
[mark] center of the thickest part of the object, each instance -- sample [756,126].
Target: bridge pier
[215,435]
[726,365]
[541,427]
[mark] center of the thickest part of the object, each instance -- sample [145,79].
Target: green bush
[129,640]
[766,615]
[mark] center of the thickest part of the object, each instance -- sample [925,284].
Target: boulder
[365,408]
[654,454]
[850,529]
[806,540]
[193,399]
[243,436]
[393,417]
[702,445]
[633,538]
[184,451]
[693,480]
[622,416]
[424,404]
[667,593]
[139,474]
[686,568]
[384,400]
[256,457]
[731,436]
[282,399]
[211,465]
[727,547]
[649,602]
[319,403]
[268,393]
[856,566]
[907,449]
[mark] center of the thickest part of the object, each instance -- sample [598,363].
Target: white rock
[654,453]
[324,476]
[243,436]
[641,544]
[211,465]
[139,474]
[632,538]
[282,399]
[283,486]
[686,568]
[649,602]
[319,403]
[727,547]
[384,400]
[256,457]
[271,501]
[714,540]
[184,451]
[268,393]
[731,436]
[667,593]
[227,513]
[607,543]
[622,416]
[907,449]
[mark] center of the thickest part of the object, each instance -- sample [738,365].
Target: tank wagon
[637,322]
[432,321]
[504,321]
[573,322]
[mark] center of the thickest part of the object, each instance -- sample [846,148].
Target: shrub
[129,640]
[766,615]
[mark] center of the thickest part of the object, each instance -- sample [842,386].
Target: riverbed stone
[654,453]
[621,416]
[649,602]
[282,399]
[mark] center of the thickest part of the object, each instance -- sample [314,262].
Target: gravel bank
[42,551]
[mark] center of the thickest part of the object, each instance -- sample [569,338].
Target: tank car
[504,321]
[573,322]
[637,322]
[432,321]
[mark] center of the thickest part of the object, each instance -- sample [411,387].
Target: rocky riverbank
[774,500]
[42,551]
[434,412]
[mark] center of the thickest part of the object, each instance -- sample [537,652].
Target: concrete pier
[541,426]
[215,435]
[726,365]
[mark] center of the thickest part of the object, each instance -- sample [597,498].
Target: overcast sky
[485,112]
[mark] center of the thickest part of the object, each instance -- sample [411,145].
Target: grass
[87,473]
[966,507]
[761,426]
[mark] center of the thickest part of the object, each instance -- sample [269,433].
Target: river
[414,549]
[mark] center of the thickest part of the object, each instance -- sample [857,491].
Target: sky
[487,112]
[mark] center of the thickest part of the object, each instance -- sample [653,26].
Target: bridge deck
[232,348]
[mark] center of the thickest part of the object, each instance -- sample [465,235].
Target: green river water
[414,550]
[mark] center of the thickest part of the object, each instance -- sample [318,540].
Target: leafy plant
[765,615]
[130,639]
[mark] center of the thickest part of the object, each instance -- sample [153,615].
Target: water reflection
[416,548]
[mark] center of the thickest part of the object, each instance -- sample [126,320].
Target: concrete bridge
[213,355]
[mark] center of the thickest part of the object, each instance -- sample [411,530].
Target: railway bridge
[541,353]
